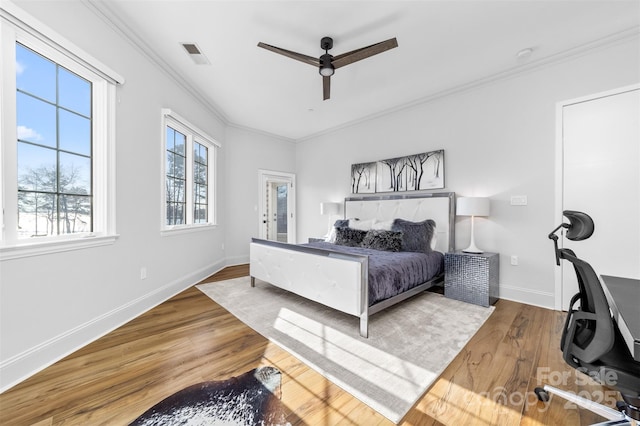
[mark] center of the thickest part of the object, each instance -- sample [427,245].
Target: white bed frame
[340,280]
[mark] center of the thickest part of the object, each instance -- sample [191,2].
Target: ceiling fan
[327,64]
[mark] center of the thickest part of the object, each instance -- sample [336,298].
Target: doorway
[277,206]
[598,157]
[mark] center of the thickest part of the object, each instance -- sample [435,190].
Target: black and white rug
[252,398]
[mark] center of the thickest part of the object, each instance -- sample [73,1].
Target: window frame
[16,26]
[171,119]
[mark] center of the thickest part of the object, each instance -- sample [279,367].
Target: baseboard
[22,366]
[528,296]
[237,260]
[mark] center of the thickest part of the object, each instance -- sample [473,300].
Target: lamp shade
[472,206]
[329,208]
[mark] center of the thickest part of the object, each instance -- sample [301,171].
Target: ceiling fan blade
[326,88]
[293,55]
[363,53]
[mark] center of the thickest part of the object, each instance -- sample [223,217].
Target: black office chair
[591,341]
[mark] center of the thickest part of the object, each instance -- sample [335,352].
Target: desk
[623,295]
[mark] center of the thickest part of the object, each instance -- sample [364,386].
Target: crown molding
[260,132]
[106,14]
[569,54]
[102,9]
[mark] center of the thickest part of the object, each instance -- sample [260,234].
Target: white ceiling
[443,46]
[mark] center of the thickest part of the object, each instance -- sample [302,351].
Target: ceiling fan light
[326,70]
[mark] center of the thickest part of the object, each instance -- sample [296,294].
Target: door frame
[559,171]
[269,176]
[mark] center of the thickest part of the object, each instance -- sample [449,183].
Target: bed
[347,274]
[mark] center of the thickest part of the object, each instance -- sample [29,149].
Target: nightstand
[472,277]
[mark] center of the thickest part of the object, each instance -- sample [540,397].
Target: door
[600,176]
[277,206]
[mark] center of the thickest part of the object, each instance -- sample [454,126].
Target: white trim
[187,229]
[193,133]
[543,299]
[56,246]
[166,112]
[21,19]
[559,170]
[23,365]
[265,176]
[36,37]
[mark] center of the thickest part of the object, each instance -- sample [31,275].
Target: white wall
[51,305]
[246,153]
[499,140]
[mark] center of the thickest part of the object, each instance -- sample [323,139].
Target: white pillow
[434,239]
[383,225]
[362,225]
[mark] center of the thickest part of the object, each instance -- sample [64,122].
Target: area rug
[409,344]
[249,399]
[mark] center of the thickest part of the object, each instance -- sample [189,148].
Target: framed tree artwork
[409,173]
[363,178]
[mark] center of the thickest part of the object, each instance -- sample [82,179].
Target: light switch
[518,200]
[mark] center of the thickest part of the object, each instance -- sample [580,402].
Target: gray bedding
[392,273]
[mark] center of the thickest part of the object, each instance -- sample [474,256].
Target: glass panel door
[277,219]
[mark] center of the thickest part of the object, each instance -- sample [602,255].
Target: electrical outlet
[143,273]
[514,260]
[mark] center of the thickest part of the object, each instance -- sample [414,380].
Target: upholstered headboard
[439,206]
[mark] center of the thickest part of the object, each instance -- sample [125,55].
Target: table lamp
[472,206]
[329,209]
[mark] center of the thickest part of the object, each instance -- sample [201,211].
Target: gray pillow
[349,237]
[379,239]
[341,223]
[416,236]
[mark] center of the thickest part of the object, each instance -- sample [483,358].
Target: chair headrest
[581,225]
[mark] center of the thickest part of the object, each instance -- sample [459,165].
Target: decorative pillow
[416,236]
[378,239]
[382,224]
[363,225]
[434,239]
[340,223]
[349,237]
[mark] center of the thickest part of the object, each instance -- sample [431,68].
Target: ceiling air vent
[195,54]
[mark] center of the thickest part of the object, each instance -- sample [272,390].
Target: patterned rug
[252,398]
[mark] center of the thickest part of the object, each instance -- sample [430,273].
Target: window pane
[74,92]
[75,174]
[36,215]
[36,168]
[169,184]
[35,74]
[178,190]
[200,153]
[176,141]
[175,214]
[36,120]
[75,132]
[175,190]
[175,165]
[75,214]
[170,139]
[200,214]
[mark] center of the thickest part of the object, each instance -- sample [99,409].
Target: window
[57,154]
[188,175]
[54,148]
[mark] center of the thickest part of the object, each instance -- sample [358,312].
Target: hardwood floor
[190,339]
